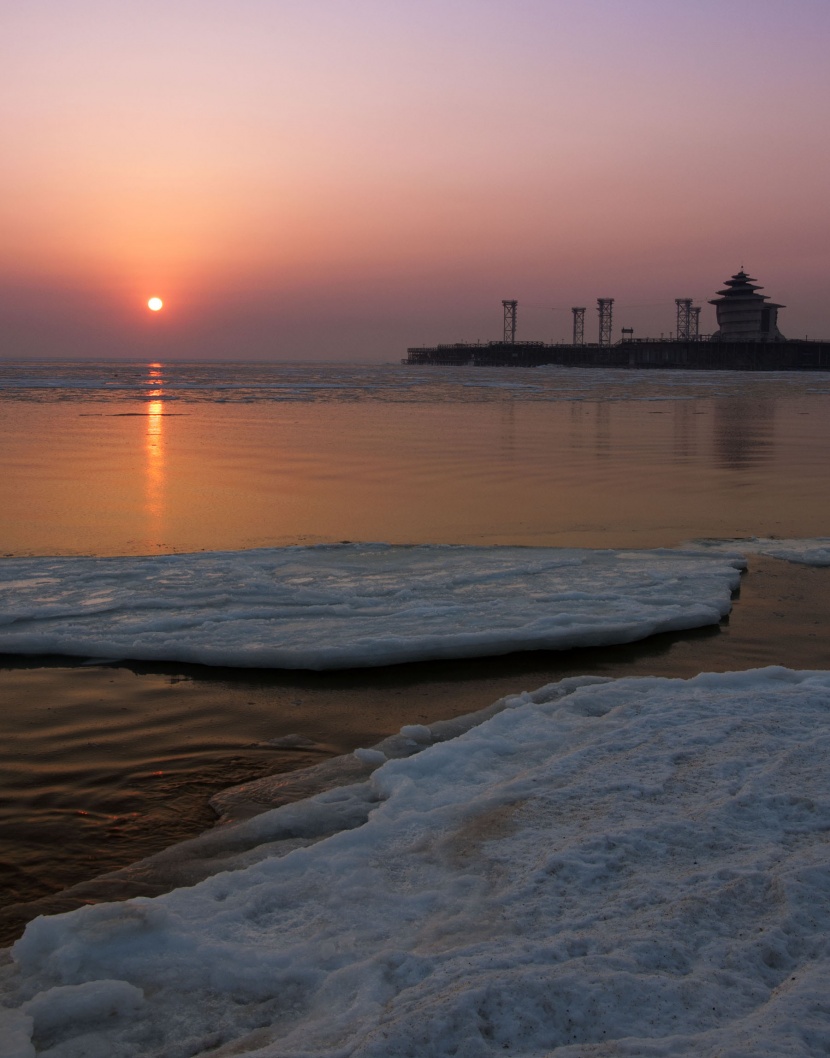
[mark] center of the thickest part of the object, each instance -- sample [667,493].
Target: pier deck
[793,355]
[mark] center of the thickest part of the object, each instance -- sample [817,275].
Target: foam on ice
[603,867]
[357,604]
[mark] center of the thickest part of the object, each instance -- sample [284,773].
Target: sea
[147,509]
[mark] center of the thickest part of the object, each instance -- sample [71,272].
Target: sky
[341,179]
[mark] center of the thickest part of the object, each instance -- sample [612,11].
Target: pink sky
[343,178]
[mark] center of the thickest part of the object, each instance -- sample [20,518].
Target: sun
[154,304]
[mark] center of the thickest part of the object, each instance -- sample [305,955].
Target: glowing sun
[154,304]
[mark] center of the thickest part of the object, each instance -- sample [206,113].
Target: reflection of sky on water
[81,476]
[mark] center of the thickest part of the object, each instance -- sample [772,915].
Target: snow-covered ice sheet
[603,867]
[355,605]
[805,551]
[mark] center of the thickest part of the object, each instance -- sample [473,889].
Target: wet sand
[109,764]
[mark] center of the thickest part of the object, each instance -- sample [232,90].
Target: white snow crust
[602,867]
[355,605]
[804,551]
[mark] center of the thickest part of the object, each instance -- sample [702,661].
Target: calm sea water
[116,459]
[108,763]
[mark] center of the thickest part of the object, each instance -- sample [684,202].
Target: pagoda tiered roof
[742,286]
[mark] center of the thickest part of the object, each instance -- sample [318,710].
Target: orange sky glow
[325,180]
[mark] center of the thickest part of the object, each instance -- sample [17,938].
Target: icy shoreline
[603,866]
[804,552]
[369,605]
[355,605]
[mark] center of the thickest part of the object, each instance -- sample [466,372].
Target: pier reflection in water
[686,434]
[743,432]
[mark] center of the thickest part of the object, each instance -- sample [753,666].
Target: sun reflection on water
[154,450]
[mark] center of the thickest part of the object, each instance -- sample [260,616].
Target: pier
[747,339]
[698,355]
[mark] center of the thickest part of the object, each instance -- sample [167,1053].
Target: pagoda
[745,315]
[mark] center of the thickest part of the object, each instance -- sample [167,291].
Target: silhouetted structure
[683,332]
[747,339]
[579,325]
[742,313]
[510,321]
[605,309]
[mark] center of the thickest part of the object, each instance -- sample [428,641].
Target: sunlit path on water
[155,457]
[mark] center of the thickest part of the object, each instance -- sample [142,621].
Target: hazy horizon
[338,182]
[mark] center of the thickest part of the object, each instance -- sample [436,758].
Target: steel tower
[579,326]
[605,308]
[510,321]
[683,331]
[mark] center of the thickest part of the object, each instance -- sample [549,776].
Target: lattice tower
[605,308]
[510,321]
[684,319]
[579,326]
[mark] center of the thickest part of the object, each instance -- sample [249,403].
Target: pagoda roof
[742,286]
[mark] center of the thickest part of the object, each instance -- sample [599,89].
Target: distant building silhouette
[743,315]
[747,339]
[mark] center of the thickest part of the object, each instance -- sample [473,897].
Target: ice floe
[355,605]
[602,867]
[805,552]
